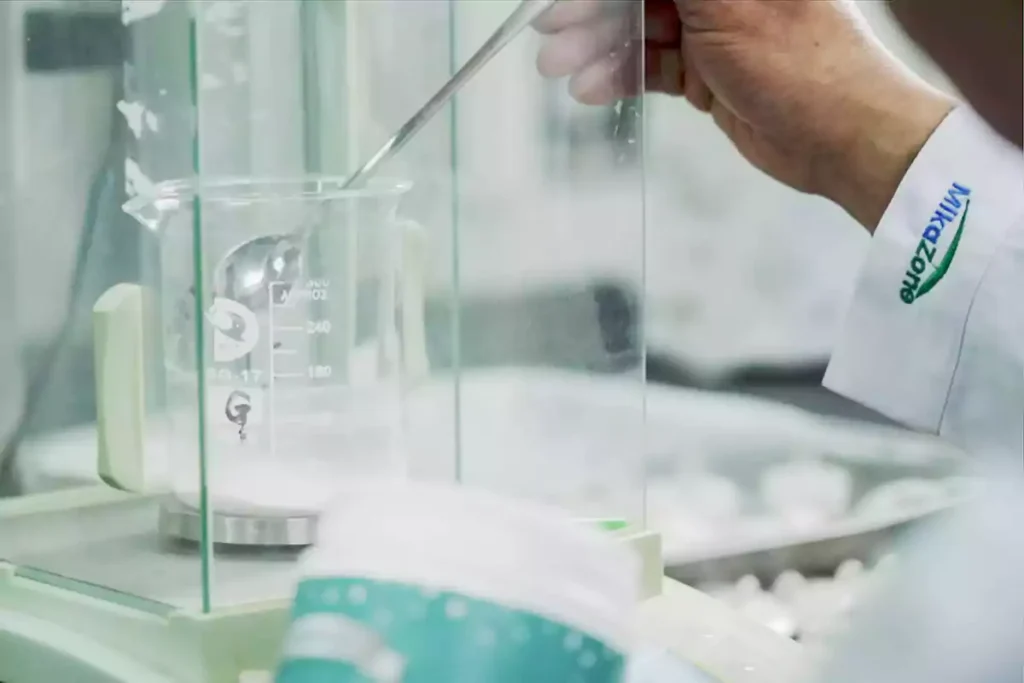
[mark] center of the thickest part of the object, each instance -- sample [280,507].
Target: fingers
[663,70]
[593,41]
[695,89]
[577,46]
[567,13]
[616,76]
[661,17]
[662,25]
[607,80]
[578,33]
[734,128]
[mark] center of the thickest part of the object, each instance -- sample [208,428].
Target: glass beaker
[290,380]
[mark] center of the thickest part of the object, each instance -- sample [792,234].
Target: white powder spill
[136,182]
[138,117]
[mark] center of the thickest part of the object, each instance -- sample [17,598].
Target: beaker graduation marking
[285,339]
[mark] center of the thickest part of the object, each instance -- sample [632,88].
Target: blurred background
[743,281]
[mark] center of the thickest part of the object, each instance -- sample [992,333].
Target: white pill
[807,493]
[711,496]
[748,586]
[850,570]
[788,585]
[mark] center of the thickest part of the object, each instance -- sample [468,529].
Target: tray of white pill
[759,514]
[788,490]
[736,485]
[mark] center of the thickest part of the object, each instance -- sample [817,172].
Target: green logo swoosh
[943,267]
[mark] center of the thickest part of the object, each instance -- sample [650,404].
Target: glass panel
[550,263]
[67,129]
[382,65]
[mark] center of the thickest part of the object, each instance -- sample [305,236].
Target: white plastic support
[120,387]
[124,358]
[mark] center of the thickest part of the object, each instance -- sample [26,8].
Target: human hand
[801,87]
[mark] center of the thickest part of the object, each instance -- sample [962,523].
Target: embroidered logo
[934,254]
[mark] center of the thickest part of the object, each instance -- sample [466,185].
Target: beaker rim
[265,189]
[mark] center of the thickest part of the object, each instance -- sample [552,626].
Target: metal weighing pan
[873,456]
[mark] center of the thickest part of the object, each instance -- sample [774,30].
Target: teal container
[436,584]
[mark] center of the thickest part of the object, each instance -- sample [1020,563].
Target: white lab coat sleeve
[903,336]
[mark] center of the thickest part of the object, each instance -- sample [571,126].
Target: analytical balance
[227,413]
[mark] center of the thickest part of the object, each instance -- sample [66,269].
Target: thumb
[735,128]
[695,88]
